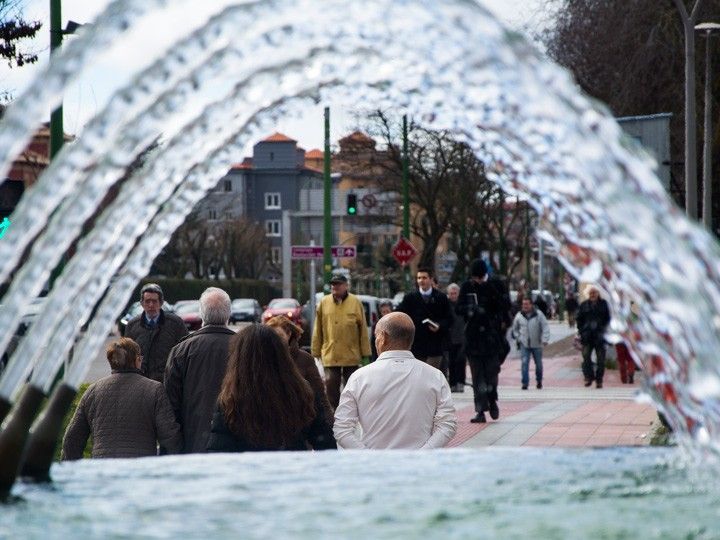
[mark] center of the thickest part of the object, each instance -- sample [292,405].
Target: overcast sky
[84,99]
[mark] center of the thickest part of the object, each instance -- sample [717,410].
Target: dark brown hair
[281,321]
[122,353]
[264,398]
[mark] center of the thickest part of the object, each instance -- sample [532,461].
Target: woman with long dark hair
[264,402]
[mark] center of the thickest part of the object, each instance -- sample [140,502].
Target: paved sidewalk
[563,413]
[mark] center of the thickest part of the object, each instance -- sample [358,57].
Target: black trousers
[334,376]
[485,369]
[587,366]
[457,364]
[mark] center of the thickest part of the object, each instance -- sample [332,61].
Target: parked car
[189,312]
[133,311]
[289,307]
[245,310]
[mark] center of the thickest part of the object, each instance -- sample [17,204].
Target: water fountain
[541,139]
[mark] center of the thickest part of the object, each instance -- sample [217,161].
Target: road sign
[344,252]
[306,252]
[404,251]
[316,252]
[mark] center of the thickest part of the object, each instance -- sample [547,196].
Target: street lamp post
[688,20]
[708,28]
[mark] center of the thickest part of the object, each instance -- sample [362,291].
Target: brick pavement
[564,413]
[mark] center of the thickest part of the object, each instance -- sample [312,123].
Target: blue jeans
[525,353]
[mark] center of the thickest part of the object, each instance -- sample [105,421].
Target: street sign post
[316,252]
[404,251]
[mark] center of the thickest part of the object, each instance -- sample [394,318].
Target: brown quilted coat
[127,415]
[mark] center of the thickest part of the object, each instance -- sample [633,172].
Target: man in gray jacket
[530,329]
[196,367]
[155,331]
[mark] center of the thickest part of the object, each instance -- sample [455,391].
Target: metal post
[56,117]
[528,255]
[313,307]
[541,256]
[707,143]
[406,193]
[327,221]
[286,259]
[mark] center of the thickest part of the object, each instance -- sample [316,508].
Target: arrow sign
[316,252]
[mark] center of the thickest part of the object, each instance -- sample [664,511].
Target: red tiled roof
[314,154]
[246,164]
[278,137]
[356,136]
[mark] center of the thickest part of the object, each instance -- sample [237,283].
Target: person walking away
[264,402]
[340,336]
[429,310]
[592,320]
[457,342]
[385,307]
[530,328]
[397,401]
[156,331]
[196,367]
[305,363]
[626,364]
[481,306]
[125,413]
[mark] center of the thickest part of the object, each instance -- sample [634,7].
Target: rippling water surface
[491,493]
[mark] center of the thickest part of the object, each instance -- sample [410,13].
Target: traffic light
[351,204]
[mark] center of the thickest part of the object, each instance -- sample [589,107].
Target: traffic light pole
[327,208]
[406,194]
[56,117]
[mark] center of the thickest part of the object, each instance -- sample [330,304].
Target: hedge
[175,289]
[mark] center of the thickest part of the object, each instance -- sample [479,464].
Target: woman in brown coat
[126,413]
[291,332]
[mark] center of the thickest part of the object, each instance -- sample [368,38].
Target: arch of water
[449,63]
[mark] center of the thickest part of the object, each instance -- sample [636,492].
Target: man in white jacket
[531,330]
[398,401]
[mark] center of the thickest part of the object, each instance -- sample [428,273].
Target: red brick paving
[592,423]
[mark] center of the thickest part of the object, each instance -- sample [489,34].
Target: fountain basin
[619,492]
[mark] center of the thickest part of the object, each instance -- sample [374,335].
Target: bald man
[398,401]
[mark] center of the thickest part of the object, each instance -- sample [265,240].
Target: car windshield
[242,303]
[284,303]
[190,306]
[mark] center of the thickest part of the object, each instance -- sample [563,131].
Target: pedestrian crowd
[217,390]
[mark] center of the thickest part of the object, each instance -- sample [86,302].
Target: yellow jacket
[340,336]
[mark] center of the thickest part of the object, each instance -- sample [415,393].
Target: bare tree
[14,28]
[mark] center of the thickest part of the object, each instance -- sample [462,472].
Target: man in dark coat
[155,331]
[483,307]
[592,319]
[196,367]
[429,310]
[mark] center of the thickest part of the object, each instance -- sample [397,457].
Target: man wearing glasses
[155,331]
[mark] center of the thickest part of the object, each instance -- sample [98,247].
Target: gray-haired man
[196,367]
[155,331]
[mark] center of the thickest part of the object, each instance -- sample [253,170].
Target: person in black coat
[264,402]
[429,310]
[483,307]
[592,319]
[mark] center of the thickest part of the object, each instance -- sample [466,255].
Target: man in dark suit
[429,310]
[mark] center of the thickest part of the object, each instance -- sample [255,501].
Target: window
[228,215]
[272,201]
[212,214]
[272,227]
[227,185]
[275,255]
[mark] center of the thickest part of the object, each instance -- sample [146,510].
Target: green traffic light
[352,210]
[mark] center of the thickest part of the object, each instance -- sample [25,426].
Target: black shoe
[479,418]
[494,411]
[524,386]
[588,382]
[631,378]
[599,384]
[539,386]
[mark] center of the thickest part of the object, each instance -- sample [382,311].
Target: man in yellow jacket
[340,337]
